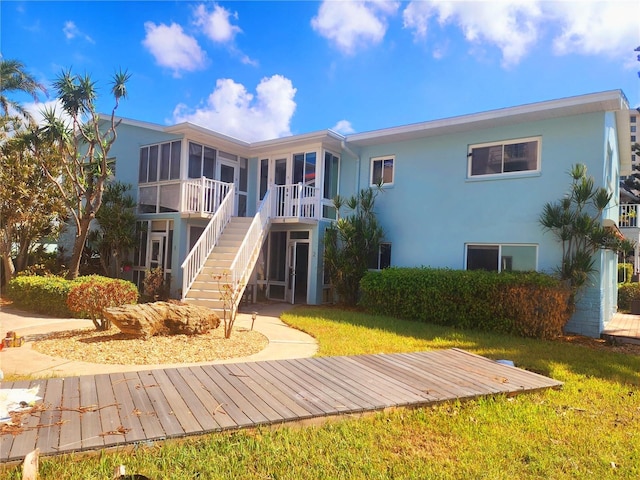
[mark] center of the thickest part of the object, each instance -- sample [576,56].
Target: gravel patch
[115,348]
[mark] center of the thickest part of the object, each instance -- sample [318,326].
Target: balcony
[202,197]
[628,215]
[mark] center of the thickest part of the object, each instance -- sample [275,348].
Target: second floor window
[504,157]
[160,162]
[202,161]
[382,170]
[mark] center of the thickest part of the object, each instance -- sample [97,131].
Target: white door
[156,252]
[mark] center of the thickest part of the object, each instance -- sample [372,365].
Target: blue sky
[264,69]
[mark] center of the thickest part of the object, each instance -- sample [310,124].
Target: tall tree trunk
[78,248]
[9,270]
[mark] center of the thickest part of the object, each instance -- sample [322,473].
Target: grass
[588,429]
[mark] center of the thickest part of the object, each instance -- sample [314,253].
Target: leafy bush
[46,295]
[627,292]
[528,304]
[625,272]
[154,286]
[95,294]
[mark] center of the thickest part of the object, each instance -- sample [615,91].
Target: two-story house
[463,192]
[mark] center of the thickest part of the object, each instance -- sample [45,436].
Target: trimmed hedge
[47,295]
[626,293]
[528,304]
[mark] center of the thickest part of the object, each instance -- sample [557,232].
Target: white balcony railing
[295,201]
[198,195]
[203,195]
[628,215]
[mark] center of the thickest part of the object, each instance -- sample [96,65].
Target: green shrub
[45,295]
[95,294]
[528,304]
[625,272]
[627,292]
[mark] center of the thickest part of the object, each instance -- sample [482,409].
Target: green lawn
[588,429]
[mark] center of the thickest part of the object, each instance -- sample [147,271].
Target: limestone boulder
[162,318]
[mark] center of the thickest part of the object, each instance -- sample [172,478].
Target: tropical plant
[84,150]
[576,221]
[30,207]
[15,79]
[350,242]
[116,232]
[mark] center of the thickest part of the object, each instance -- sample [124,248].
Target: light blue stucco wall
[433,209]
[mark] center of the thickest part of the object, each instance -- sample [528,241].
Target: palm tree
[16,79]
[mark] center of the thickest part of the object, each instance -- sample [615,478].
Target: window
[330,184]
[633,119]
[202,161]
[304,168]
[633,129]
[633,138]
[504,158]
[160,162]
[382,170]
[382,259]
[502,257]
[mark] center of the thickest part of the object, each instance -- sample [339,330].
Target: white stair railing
[248,251]
[198,255]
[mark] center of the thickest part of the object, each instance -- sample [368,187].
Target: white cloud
[589,27]
[172,48]
[354,24]
[230,109]
[509,25]
[344,127]
[36,110]
[72,31]
[216,24]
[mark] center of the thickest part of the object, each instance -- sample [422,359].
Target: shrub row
[48,295]
[528,304]
[626,293]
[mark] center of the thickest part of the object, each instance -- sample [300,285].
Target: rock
[162,318]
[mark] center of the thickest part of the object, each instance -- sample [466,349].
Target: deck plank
[70,431]
[147,411]
[90,417]
[49,432]
[26,441]
[94,411]
[129,416]
[223,404]
[110,421]
[179,410]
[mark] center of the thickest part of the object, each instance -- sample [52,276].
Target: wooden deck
[623,328]
[115,410]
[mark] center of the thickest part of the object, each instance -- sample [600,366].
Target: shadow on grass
[349,332]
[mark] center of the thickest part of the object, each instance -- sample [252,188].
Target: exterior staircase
[216,271]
